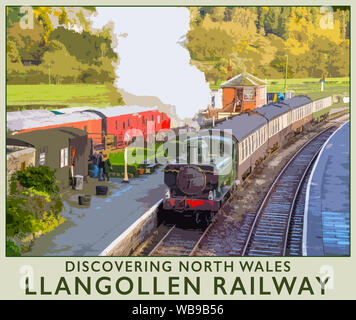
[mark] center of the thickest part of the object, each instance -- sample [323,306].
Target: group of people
[104,165]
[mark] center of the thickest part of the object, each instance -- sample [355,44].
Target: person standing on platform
[107,168]
[101,165]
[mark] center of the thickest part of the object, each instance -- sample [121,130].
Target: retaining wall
[134,235]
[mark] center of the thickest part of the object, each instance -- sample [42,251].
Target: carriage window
[200,151]
[116,124]
[128,123]
[243,150]
[265,134]
[222,146]
[158,119]
[249,145]
[123,125]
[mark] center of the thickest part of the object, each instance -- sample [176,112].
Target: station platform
[327,206]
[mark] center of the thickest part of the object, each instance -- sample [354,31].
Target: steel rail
[269,192]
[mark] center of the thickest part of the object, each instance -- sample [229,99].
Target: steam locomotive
[217,159]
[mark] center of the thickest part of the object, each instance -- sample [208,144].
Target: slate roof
[243,79]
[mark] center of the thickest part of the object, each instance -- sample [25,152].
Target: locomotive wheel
[202,219]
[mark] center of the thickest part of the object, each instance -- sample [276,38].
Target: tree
[208,45]
[30,43]
[60,63]
[12,52]
[257,39]
[84,46]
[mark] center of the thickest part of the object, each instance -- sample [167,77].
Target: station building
[243,92]
[64,149]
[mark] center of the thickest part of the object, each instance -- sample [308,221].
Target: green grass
[71,95]
[136,156]
[76,95]
[309,86]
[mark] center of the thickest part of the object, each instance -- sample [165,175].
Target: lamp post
[126,178]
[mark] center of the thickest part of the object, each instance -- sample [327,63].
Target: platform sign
[254,206]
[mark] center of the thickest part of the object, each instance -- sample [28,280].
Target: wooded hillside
[58,47]
[225,41]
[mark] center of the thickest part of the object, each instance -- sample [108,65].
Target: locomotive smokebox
[191,180]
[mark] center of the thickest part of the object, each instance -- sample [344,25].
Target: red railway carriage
[32,120]
[127,122]
[124,122]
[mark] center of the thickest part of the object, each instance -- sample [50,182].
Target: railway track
[279,211]
[295,235]
[178,242]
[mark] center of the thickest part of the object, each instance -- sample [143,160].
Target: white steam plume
[153,59]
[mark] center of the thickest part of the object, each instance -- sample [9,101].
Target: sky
[153,60]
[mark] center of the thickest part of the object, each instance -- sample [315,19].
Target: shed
[244,92]
[59,148]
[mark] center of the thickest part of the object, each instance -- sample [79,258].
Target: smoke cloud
[153,62]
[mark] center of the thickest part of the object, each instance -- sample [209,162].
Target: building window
[64,157]
[152,118]
[128,123]
[42,159]
[85,128]
[23,166]
[123,125]
[249,94]
[116,124]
